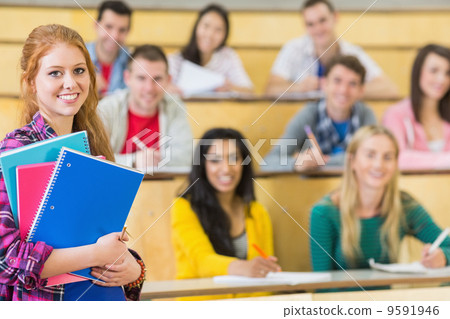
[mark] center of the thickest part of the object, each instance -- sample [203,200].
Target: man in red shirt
[108,51]
[147,126]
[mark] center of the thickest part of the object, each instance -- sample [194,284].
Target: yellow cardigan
[194,253]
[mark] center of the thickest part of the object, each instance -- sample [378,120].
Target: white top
[224,61]
[436,145]
[297,57]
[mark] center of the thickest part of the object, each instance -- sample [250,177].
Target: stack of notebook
[65,197]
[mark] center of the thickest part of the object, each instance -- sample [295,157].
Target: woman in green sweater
[368,216]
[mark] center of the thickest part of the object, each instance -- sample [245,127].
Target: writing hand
[257,267]
[305,162]
[434,260]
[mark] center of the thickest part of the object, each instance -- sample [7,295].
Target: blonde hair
[390,207]
[40,41]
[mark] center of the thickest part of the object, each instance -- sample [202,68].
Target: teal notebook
[39,152]
[86,198]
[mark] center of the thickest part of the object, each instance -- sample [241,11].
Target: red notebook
[32,182]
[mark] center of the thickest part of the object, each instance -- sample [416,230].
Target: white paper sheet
[276,278]
[195,79]
[415,267]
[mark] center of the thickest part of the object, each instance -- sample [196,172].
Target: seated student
[333,120]
[296,70]
[368,216]
[59,92]
[133,115]
[107,51]
[421,123]
[207,48]
[217,219]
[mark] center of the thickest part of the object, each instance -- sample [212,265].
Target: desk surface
[339,279]
[325,171]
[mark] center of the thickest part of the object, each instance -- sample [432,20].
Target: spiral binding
[46,195]
[86,145]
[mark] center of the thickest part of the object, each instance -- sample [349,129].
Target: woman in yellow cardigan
[216,221]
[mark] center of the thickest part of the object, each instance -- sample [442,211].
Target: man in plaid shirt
[332,120]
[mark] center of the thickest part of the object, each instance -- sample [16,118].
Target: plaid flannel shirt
[21,263]
[327,135]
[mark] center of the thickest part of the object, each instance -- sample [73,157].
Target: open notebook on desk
[276,278]
[415,267]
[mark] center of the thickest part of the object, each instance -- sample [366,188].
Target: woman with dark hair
[421,123]
[217,220]
[207,48]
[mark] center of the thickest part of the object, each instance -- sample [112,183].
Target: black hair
[119,7]
[350,62]
[311,3]
[202,195]
[416,91]
[148,52]
[191,52]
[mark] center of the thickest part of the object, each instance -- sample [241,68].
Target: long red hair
[40,41]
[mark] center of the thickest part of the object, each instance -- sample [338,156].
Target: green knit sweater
[325,229]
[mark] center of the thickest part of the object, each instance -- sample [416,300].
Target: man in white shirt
[296,69]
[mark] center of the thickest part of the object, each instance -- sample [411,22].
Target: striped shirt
[240,245]
[21,263]
[224,61]
[326,231]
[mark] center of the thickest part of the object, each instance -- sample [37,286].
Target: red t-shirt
[106,74]
[146,129]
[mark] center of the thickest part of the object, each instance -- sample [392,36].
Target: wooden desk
[205,114]
[149,220]
[339,279]
[408,294]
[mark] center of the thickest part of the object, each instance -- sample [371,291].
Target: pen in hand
[266,257]
[312,137]
[438,241]
[124,230]
[260,251]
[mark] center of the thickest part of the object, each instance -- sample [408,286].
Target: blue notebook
[86,198]
[39,152]
[86,291]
